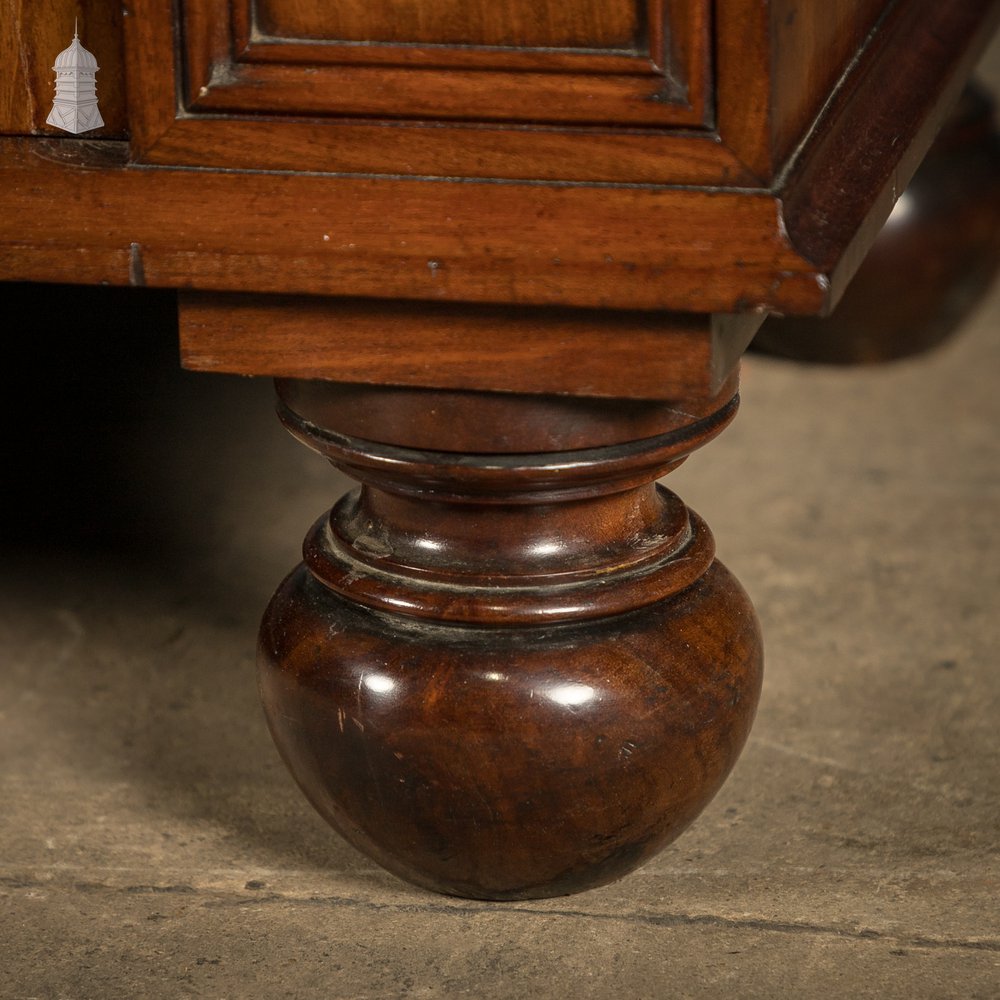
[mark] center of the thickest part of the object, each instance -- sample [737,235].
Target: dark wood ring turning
[509,675]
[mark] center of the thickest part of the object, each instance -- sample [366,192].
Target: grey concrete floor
[152,844]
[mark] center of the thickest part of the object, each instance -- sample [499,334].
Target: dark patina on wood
[932,262]
[525,247]
[509,675]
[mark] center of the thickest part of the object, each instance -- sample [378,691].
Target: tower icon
[75,106]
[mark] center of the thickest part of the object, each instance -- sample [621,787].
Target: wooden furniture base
[933,261]
[504,259]
[513,674]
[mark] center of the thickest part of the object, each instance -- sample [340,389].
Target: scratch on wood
[82,154]
[136,272]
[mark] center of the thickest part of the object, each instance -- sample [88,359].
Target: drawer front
[684,92]
[575,61]
[516,24]
[561,89]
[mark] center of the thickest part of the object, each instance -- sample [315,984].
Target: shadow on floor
[141,547]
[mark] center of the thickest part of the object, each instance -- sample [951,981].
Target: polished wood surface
[505,287]
[931,264]
[887,116]
[539,675]
[588,24]
[433,67]
[481,422]
[86,211]
[625,354]
[512,764]
[499,243]
[813,45]
[780,61]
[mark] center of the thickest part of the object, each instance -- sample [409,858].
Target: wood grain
[74,210]
[558,677]
[532,98]
[878,128]
[446,149]
[519,244]
[477,422]
[623,354]
[592,24]
[777,64]
[932,263]
[812,45]
[232,67]
[584,155]
[471,778]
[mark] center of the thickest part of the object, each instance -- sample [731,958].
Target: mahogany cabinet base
[515,673]
[932,262]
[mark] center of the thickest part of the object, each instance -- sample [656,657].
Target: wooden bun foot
[509,675]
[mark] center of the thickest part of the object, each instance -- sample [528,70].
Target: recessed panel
[586,24]
[812,47]
[429,107]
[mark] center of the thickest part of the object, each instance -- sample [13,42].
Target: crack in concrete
[650,919]
[217,898]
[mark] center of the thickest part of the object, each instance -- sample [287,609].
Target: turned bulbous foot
[509,675]
[510,764]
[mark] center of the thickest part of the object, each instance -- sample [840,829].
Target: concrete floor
[152,844]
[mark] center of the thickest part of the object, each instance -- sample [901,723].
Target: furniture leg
[510,671]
